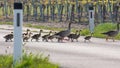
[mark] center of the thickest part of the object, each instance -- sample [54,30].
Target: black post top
[17,5]
[91,8]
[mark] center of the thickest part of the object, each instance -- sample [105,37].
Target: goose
[27,31]
[8,37]
[37,36]
[63,33]
[70,36]
[112,33]
[45,37]
[88,37]
[51,37]
[27,37]
[74,36]
[78,36]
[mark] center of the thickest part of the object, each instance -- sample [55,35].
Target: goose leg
[107,38]
[62,39]
[89,40]
[84,40]
[42,39]
[59,40]
[71,40]
[6,40]
[113,39]
[23,40]
[46,40]
[31,39]
[36,40]
[11,40]
[51,40]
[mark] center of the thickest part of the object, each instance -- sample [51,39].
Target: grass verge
[29,61]
[100,28]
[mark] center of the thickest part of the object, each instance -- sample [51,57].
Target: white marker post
[91,19]
[18,20]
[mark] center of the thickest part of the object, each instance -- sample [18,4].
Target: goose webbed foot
[113,39]
[71,40]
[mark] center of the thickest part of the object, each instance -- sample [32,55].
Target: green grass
[103,27]
[47,27]
[29,61]
[6,23]
[44,27]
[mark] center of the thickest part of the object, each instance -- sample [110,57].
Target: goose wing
[111,33]
[10,36]
[87,37]
[63,33]
[72,36]
[35,35]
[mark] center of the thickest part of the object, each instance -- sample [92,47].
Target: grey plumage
[51,37]
[45,37]
[74,36]
[88,37]
[63,33]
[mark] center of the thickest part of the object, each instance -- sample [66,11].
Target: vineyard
[63,10]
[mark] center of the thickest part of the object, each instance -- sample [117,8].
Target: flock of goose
[60,36]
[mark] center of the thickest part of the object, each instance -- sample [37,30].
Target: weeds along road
[95,54]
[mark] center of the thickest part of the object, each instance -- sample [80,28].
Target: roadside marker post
[91,19]
[18,20]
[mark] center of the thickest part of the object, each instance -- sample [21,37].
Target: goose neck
[118,28]
[69,27]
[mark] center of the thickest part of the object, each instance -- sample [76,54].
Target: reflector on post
[18,20]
